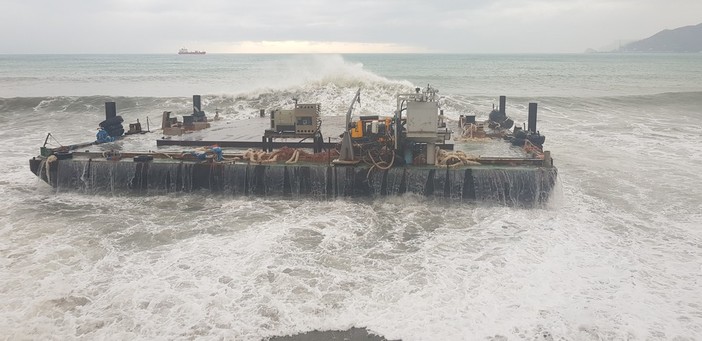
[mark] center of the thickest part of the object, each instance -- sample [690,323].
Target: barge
[415,150]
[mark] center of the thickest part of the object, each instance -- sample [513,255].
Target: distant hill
[683,39]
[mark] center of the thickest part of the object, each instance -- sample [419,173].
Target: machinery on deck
[413,132]
[301,120]
[196,121]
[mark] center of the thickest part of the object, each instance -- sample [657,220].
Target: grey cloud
[133,26]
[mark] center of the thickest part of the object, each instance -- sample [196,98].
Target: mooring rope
[377,164]
[533,149]
[295,156]
[468,130]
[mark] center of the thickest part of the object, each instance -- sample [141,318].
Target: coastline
[352,334]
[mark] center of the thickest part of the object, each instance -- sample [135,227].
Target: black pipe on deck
[532,117]
[110,110]
[197,105]
[503,103]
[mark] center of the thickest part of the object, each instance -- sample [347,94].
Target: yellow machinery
[373,127]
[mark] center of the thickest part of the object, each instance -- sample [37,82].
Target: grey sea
[615,254]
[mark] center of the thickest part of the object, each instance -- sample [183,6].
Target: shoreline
[351,334]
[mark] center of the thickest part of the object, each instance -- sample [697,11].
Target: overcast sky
[468,26]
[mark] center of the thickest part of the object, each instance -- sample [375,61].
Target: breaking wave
[334,92]
[325,79]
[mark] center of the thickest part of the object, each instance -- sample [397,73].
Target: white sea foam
[248,269]
[616,256]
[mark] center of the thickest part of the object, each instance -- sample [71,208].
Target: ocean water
[616,253]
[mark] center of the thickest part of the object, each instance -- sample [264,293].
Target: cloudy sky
[253,26]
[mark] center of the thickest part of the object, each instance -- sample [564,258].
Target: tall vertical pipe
[110,110]
[503,103]
[532,117]
[196,105]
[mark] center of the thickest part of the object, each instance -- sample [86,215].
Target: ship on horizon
[186,51]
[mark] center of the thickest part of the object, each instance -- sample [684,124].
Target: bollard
[548,161]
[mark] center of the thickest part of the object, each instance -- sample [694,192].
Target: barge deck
[388,156]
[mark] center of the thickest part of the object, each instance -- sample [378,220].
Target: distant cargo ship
[185,51]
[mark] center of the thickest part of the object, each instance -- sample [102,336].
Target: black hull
[510,185]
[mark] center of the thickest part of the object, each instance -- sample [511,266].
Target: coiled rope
[444,158]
